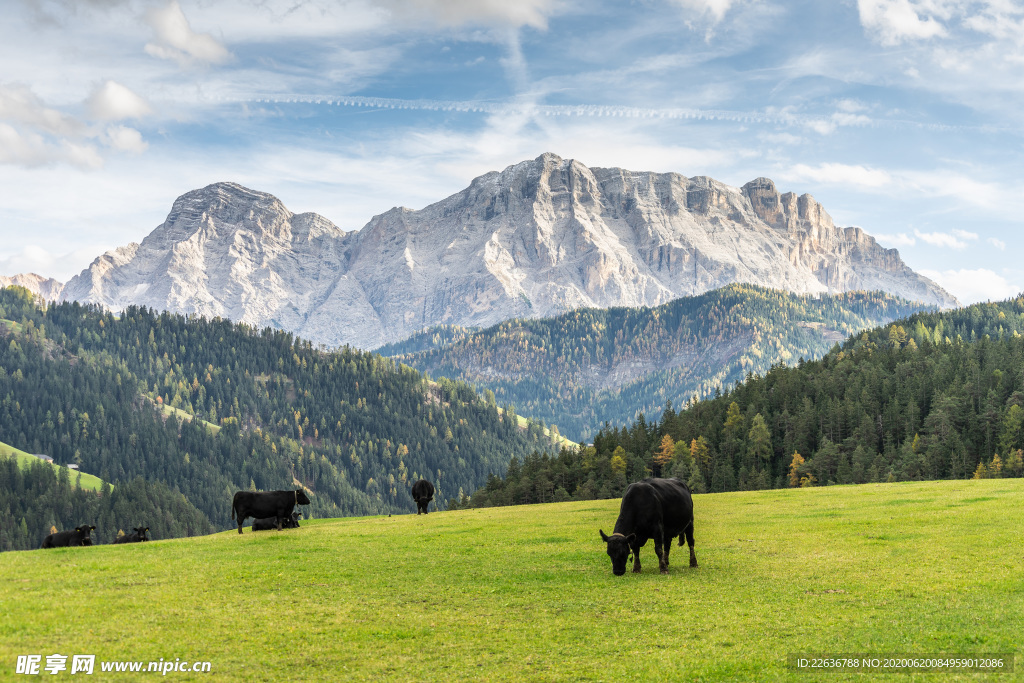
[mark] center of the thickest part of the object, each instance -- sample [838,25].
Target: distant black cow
[138,536]
[268,523]
[63,539]
[422,493]
[259,504]
[653,508]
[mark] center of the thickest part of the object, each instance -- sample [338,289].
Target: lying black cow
[422,493]
[653,508]
[138,536]
[63,539]
[268,523]
[260,504]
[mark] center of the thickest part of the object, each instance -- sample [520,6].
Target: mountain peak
[536,239]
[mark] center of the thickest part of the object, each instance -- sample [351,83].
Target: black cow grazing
[422,493]
[268,523]
[63,539]
[653,508]
[138,536]
[259,504]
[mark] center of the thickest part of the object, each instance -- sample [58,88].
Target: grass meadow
[86,481]
[527,593]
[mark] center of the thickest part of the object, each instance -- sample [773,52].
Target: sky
[903,117]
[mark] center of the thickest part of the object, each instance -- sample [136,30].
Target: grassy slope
[563,442]
[88,481]
[527,593]
[184,415]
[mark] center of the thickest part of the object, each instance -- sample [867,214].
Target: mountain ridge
[589,367]
[536,239]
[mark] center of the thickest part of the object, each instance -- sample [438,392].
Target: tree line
[209,407]
[589,366]
[38,498]
[934,396]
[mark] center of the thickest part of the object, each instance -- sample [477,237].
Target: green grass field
[88,481]
[185,415]
[527,593]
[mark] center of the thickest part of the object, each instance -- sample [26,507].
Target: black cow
[259,504]
[422,493]
[138,536]
[653,508]
[268,523]
[63,539]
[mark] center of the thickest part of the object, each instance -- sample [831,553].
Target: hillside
[527,593]
[84,386]
[535,240]
[35,496]
[81,479]
[900,402]
[592,366]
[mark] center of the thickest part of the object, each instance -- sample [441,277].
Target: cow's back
[651,502]
[676,503]
[61,539]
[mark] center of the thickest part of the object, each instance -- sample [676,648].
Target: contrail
[595,111]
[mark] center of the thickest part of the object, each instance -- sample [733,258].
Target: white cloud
[85,156]
[715,8]
[900,239]
[827,126]
[940,239]
[965,235]
[893,21]
[176,40]
[459,12]
[112,101]
[971,286]
[28,150]
[18,104]
[33,258]
[126,139]
[844,174]
[997,243]
[851,106]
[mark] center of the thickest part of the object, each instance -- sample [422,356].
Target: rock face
[46,287]
[537,239]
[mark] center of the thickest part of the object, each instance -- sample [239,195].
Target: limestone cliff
[537,239]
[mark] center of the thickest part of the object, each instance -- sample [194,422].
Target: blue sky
[901,116]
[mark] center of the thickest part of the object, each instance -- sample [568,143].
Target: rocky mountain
[594,366]
[46,287]
[540,238]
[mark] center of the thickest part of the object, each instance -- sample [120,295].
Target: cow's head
[301,498]
[141,531]
[618,550]
[85,530]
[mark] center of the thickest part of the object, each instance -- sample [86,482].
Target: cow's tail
[682,534]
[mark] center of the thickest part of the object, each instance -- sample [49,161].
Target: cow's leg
[636,559]
[280,518]
[667,546]
[240,520]
[659,550]
[689,542]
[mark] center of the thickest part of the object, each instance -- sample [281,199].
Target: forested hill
[935,396]
[590,366]
[117,396]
